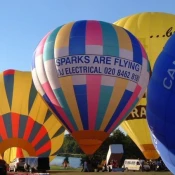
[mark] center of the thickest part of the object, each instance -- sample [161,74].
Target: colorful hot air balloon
[25,120]
[152,29]
[160,106]
[92,74]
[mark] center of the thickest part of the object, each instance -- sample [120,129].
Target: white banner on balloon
[98,65]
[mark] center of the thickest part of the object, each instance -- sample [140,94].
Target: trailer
[114,156]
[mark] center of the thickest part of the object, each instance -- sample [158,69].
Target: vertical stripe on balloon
[78,38]
[44,148]
[19,152]
[144,55]
[28,129]
[8,83]
[59,132]
[8,124]
[118,91]
[37,83]
[22,123]
[132,98]
[42,142]
[40,48]
[61,98]
[94,38]
[3,131]
[125,47]
[39,135]
[55,110]
[20,97]
[32,96]
[62,40]
[123,101]
[48,115]
[110,39]
[35,129]
[137,52]
[66,83]
[15,126]
[48,52]
[80,92]
[52,125]
[105,95]
[4,104]
[130,110]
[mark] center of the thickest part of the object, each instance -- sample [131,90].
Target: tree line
[131,151]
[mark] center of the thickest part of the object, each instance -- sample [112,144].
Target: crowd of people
[91,165]
[157,165]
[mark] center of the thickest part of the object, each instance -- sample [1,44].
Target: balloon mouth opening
[90,140]
[149,151]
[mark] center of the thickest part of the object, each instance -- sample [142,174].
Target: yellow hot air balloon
[25,119]
[153,30]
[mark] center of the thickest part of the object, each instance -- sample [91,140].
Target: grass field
[107,173]
[56,170]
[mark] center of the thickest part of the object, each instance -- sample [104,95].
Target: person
[3,167]
[142,164]
[82,166]
[26,167]
[104,168]
[86,166]
[66,162]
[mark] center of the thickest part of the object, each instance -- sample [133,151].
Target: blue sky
[24,23]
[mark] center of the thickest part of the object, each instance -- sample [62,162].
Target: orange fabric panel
[89,141]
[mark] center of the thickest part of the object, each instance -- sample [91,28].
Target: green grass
[61,168]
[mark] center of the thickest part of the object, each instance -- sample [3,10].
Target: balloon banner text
[98,65]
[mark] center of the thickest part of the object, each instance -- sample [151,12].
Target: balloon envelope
[25,119]
[160,107]
[152,29]
[91,74]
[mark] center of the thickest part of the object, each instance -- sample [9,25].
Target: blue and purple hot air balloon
[161,104]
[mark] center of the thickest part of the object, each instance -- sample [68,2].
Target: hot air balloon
[152,29]
[25,120]
[91,74]
[160,106]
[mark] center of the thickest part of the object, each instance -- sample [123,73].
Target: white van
[135,165]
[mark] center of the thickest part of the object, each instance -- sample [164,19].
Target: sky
[25,23]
